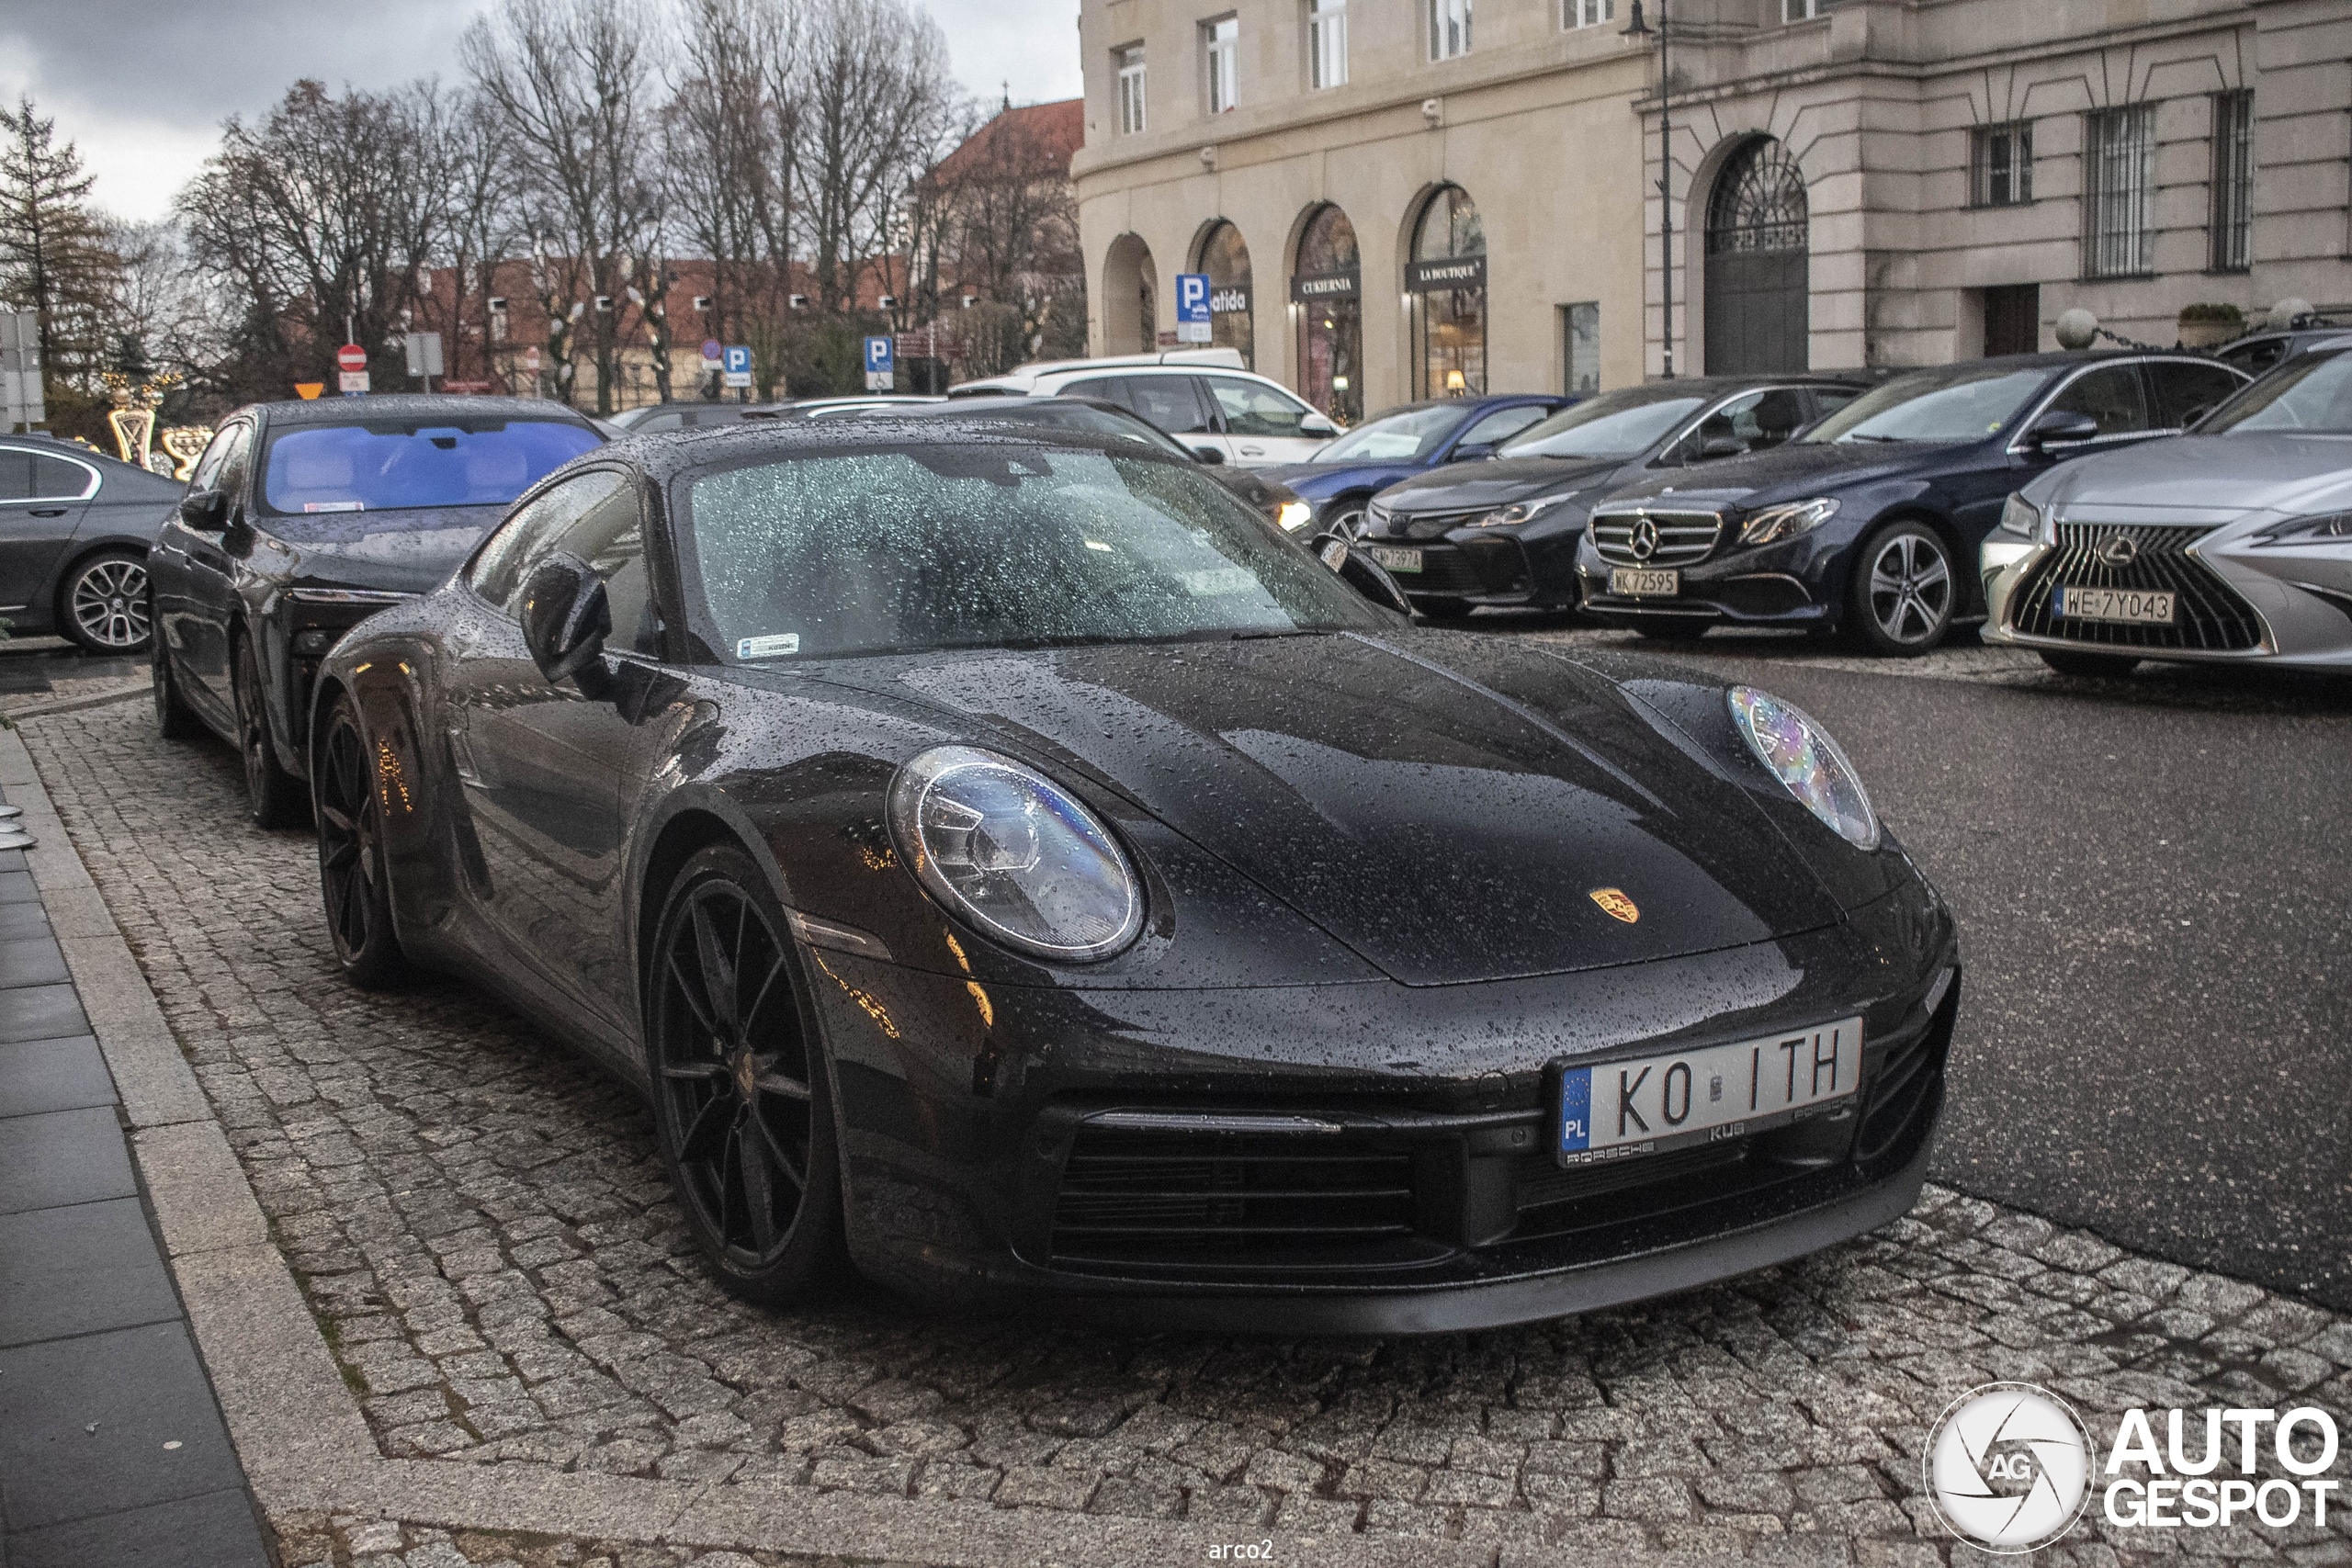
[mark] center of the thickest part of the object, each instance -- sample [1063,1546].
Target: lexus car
[1340,479]
[1865,523]
[1504,532]
[999,857]
[2231,544]
[301,518]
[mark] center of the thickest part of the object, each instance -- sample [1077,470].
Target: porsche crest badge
[1615,905]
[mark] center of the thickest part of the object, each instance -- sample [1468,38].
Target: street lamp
[1638,28]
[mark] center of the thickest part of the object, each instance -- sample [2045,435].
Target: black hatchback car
[300,520]
[1505,531]
[1871,520]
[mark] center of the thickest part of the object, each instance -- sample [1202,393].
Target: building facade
[1880,183]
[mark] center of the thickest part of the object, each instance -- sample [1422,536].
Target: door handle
[49,512]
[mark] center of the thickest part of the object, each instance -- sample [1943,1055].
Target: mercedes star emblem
[1643,540]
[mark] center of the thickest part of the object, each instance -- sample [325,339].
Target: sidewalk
[112,1449]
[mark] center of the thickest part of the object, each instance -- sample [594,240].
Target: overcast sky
[141,87]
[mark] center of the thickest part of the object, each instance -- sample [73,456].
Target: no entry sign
[351,357]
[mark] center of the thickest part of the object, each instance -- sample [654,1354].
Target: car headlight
[1787,520]
[2021,516]
[1293,515]
[1012,852]
[2308,530]
[1802,756]
[1523,511]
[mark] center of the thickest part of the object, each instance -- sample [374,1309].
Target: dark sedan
[1504,532]
[1869,522]
[1341,478]
[75,528]
[998,853]
[302,518]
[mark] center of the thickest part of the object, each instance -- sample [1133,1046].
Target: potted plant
[2204,326]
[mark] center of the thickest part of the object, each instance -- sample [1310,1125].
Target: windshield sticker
[768,647]
[1220,580]
[1098,544]
[334,507]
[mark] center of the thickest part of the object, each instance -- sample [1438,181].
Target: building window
[2118,179]
[2233,181]
[1803,10]
[1129,61]
[1326,42]
[1326,294]
[2001,165]
[1445,286]
[1591,12]
[1219,43]
[1580,325]
[1449,29]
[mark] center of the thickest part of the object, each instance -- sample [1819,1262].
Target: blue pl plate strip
[1576,1109]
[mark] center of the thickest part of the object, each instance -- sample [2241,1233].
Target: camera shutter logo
[2008,1467]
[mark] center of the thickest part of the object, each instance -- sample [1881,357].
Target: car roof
[411,405]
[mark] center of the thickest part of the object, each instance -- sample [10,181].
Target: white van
[1201,396]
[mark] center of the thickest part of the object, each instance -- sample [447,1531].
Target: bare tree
[726,150]
[574,85]
[1006,233]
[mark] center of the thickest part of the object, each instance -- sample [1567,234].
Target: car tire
[2066,662]
[1671,631]
[274,797]
[354,875]
[174,720]
[1904,591]
[1345,517]
[743,1110]
[103,602]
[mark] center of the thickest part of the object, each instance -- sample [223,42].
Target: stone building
[1397,199]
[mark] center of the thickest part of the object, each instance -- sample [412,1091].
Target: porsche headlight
[1293,515]
[1787,521]
[1012,852]
[2021,516]
[1523,511]
[1802,756]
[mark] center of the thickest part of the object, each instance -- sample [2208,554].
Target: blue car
[1401,442]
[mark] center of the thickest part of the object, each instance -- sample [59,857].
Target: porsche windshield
[399,464]
[990,546]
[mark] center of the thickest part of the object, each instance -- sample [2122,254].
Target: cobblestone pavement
[484,1232]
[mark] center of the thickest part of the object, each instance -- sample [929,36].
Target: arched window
[1326,290]
[1447,282]
[1756,292]
[1226,259]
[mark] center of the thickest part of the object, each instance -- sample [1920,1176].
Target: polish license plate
[2131,606]
[1637,582]
[1621,1110]
[1397,560]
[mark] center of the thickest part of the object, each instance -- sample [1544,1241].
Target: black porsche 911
[302,518]
[1002,859]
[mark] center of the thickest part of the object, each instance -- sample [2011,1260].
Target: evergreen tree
[53,255]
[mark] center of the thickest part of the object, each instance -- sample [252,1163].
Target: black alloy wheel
[173,718]
[740,1101]
[1904,592]
[272,795]
[351,878]
[104,601]
[2066,662]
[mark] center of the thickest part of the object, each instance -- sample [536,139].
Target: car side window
[1168,401]
[1827,400]
[37,476]
[2185,389]
[234,461]
[654,421]
[206,475]
[1502,425]
[2256,357]
[16,474]
[529,534]
[1252,410]
[610,538]
[1104,386]
[2112,394]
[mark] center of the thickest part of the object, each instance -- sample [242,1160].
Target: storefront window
[1226,260]
[1447,284]
[1326,294]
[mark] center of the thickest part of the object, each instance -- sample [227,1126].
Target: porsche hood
[1450,807]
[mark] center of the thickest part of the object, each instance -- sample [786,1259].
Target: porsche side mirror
[2060,426]
[1208,455]
[566,620]
[205,511]
[1360,571]
[1318,424]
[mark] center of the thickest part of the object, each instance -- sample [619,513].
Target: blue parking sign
[1192,307]
[738,359]
[881,364]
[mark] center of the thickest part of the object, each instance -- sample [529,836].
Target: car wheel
[103,603]
[740,1102]
[1902,599]
[1672,631]
[2066,662]
[1345,518]
[174,720]
[352,874]
[272,795]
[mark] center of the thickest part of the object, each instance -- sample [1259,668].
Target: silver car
[2230,543]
